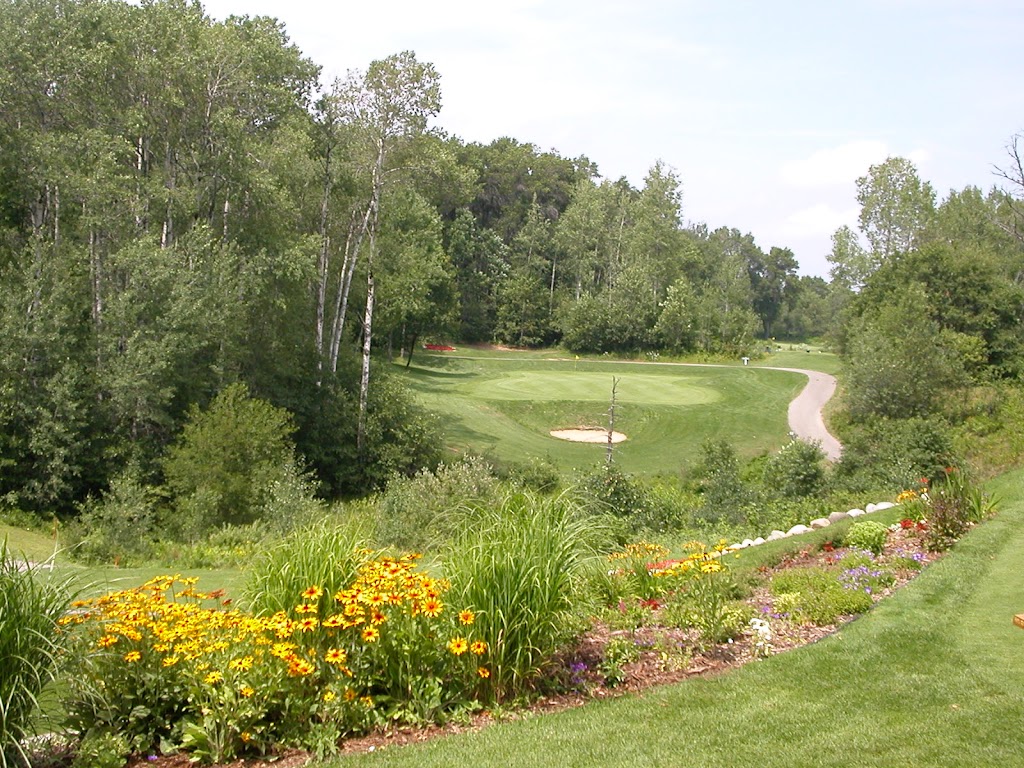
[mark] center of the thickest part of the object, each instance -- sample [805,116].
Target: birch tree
[386,108]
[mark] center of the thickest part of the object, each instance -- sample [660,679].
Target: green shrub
[421,512]
[796,471]
[868,535]
[224,468]
[955,503]
[892,453]
[120,528]
[817,595]
[30,642]
[517,565]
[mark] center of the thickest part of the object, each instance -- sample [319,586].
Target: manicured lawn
[934,676]
[35,546]
[504,407]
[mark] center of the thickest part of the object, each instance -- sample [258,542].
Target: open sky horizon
[768,112]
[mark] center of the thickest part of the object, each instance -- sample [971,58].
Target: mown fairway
[504,407]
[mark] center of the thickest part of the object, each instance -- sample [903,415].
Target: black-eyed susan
[312,593]
[458,645]
[371,634]
[466,617]
[483,672]
[478,647]
[335,656]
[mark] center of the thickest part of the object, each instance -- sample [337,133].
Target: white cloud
[836,165]
[843,164]
[820,219]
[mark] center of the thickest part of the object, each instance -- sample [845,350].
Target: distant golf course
[504,406]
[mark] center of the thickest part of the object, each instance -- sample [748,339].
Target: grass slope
[934,676]
[504,407]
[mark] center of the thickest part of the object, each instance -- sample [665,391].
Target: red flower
[906,523]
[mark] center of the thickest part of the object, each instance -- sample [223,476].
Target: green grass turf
[31,545]
[933,676]
[504,407]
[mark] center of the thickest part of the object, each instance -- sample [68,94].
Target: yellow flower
[170,661]
[329,696]
[478,647]
[467,617]
[458,645]
[245,662]
[299,667]
[432,607]
[312,593]
[484,672]
[132,656]
[370,634]
[213,677]
[335,656]
[246,692]
[106,641]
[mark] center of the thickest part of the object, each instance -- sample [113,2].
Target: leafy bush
[796,471]
[119,528]
[644,508]
[868,535]
[893,453]
[818,595]
[955,503]
[224,468]
[726,496]
[421,512]
[30,641]
[516,565]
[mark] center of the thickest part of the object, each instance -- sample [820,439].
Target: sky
[768,111]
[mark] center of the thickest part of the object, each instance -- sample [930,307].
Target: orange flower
[432,607]
[312,593]
[467,617]
[484,672]
[478,647]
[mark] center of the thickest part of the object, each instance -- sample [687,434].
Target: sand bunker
[590,435]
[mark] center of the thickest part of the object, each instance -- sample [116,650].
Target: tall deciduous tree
[896,207]
[386,107]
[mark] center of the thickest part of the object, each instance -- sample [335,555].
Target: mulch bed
[651,669]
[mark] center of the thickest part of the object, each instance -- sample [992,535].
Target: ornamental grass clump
[30,606]
[517,565]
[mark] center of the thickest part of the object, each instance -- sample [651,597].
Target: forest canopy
[191,219]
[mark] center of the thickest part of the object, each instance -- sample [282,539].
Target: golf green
[504,408]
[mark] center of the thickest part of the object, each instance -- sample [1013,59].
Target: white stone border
[821,522]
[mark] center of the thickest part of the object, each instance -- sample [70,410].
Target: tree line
[186,207]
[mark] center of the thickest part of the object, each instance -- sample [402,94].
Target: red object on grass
[439,347]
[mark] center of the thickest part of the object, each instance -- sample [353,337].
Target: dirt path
[805,411]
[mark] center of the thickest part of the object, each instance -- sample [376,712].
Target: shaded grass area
[933,676]
[22,544]
[504,408]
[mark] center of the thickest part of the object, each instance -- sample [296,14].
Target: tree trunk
[364,379]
